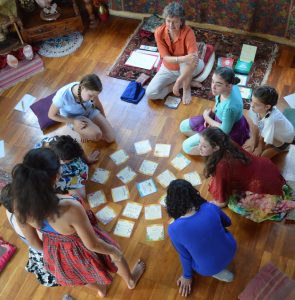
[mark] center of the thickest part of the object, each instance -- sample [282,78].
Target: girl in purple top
[199,235]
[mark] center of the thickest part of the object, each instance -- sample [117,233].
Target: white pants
[159,86]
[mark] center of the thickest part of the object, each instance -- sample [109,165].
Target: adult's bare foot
[176,88]
[187,96]
[137,272]
[102,291]
[197,84]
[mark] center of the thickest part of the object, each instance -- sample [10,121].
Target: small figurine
[49,10]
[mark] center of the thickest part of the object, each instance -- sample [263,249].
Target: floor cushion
[269,284]
[6,252]
[40,109]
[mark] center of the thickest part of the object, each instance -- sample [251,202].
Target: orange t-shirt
[183,45]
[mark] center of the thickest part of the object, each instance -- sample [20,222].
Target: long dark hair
[90,82]
[216,137]
[33,189]
[181,198]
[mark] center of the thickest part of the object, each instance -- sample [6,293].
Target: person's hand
[192,59]
[93,157]
[185,286]
[80,123]
[249,145]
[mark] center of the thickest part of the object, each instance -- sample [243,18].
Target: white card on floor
[143,147]
[126,175]
[180,162]
[106,215]
[148,167]
[162,200]
[100,175]
[96,198]
[119,157]
[193,177]
[120,193]
[2,149]
[155,232]
[132,210]
[146,187]
[290,99]
[124,228]
[152,212]
[162,150]
[172,102]
[25,102]
[165,178]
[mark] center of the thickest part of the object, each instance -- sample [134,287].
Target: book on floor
[225,62]
[142,60]
[243,78]
[246,92]
[172,102]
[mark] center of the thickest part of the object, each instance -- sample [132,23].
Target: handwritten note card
[146,187]
[119,157]
[106,215]
[126,175]
[96,198]
[143,147]
[120,193]
[165,178]
[132,210]
[148,167]
[180,162]
[162,150]
[124,228]
[152,212]
[193,177]
[155,232]
[100,176]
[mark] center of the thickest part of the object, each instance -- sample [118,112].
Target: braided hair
[216,137]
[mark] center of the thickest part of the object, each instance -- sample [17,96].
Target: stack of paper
[142,60]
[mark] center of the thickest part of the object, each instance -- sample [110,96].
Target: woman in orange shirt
[178,49]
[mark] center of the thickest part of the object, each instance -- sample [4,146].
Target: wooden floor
[257,243]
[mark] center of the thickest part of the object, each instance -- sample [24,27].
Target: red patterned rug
[225,44]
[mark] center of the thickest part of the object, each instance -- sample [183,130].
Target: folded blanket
[133,92]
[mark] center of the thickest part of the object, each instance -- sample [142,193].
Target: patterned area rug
[225,44]
[61,46]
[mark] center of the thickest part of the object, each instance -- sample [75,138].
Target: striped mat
[26,68]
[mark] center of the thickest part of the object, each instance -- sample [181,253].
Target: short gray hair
[174,9]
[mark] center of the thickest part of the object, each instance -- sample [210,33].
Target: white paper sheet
[172,102]
[165,178]
[146,187]
[119,157]
[25,102]
[180,162]
[132,210]
[100,176]
[153,212]
[124,228]
[290,99]
[141,60]
[148,167]
[142,147]
[106,215]
[162,150]
[193,177]
[96,198]
[120,193]
[155,232]
[126,175]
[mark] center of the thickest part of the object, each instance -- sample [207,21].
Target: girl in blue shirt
[199,235]
[227,113]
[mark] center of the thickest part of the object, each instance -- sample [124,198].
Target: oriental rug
[225,44]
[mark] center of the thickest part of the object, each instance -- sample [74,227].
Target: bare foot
[176,88]
[102,291]
[187,96]
[195,83]
[137,272]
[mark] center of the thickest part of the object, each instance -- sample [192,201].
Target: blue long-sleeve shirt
[202,242]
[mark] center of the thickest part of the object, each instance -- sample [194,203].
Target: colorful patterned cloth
[261,207]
